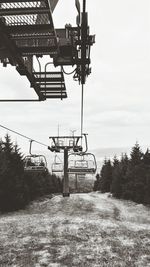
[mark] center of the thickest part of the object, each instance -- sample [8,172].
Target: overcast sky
[117,94]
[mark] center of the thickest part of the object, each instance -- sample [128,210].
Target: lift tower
[65,144]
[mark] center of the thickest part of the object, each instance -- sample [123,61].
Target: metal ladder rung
[53,92]
[53,84]
[56,96]
[49,77]
[52,89]
[54,73]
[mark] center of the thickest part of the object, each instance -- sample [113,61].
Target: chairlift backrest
[57,166]
[82,163]
[81,176]
[35,163]
[71,142]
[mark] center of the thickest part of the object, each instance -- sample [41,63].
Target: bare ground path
[85,230]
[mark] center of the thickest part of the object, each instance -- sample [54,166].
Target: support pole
[76,182]
[84,5]
[66,178]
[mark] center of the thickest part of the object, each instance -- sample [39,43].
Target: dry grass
[85,230]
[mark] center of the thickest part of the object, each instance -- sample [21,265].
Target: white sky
[117,94]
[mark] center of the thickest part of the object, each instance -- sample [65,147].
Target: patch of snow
[57,199]
[126,241]
[26,239]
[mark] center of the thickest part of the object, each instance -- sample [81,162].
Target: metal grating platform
[30,25]
[26,29]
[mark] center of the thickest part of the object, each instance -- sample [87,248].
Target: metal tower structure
[65,144]
[27,30]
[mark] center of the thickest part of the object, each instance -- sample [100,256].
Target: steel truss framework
[60,143]
[27,29]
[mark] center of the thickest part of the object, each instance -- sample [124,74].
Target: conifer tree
[147,187]
[115,162]
[136,155]
[127,178]
[106,176]
[146,158]
[134,179]
[146,162]
[13,192]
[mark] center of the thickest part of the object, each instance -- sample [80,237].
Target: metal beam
[53,93]
[32,100]
[66,136]
[20,100]
[56,96]
[37,50]
[63,91]
[53,4]
[16,58]
[37,28]
[21,1]
[24,11]
[34,37]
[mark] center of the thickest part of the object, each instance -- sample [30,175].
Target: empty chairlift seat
[35,164]
[82,163]
[57,165]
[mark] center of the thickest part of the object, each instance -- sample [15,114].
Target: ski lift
[83,163]
[57,165]
[35,163]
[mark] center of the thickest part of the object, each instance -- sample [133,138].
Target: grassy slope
[84,230]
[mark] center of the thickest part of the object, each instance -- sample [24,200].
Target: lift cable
[82,84]
[24,136]
[82,106]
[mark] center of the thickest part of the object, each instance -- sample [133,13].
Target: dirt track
[84,230]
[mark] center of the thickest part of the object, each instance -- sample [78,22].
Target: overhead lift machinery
[27,30]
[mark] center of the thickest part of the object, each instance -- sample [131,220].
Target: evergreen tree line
[127,178]
[18,188]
